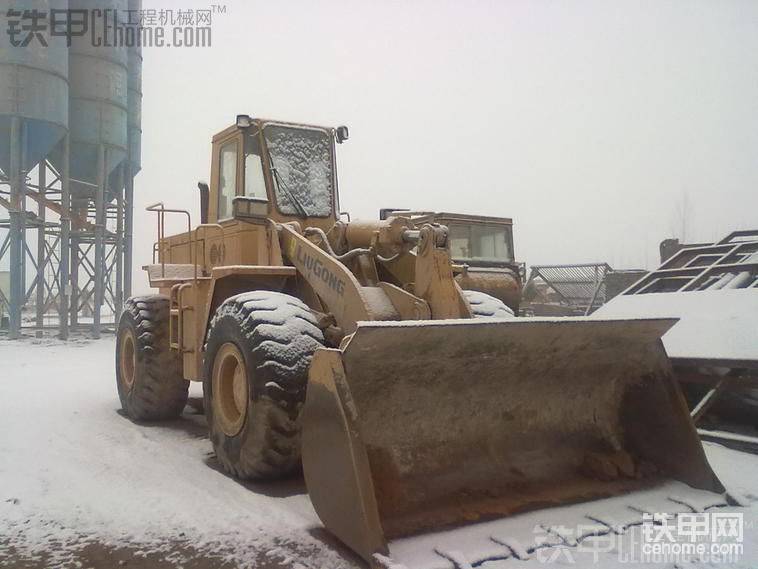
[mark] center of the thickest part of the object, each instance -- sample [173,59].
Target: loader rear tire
[149,377]
[259,349]
[486,306]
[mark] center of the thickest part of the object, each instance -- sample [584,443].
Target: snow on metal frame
[713,325]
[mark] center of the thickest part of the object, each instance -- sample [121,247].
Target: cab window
[227,179]
[489,243]
[255,184]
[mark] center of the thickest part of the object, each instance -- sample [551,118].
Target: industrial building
[70,131]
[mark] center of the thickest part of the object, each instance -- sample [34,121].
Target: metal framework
[727,264]
[70,263]
[580,286]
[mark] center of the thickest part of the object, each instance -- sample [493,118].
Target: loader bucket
[417,426]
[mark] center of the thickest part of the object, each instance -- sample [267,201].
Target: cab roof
[233,128]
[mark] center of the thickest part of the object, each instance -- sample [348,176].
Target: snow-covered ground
[82,486]
[73,471]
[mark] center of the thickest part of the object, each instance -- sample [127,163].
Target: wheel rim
[128,359]
[230,389]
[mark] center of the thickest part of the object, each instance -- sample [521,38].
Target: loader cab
[475,240]
[484,246]
[480,241]
[274,170]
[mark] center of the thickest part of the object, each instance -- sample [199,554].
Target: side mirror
[342,134]
[205,195]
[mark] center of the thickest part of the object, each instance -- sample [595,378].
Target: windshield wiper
[282,185]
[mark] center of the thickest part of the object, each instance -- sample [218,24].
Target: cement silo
[97,97]
[34,90]
[98,132]
[69,119]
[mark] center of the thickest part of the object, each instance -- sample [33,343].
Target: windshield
[301,160]
[489,243]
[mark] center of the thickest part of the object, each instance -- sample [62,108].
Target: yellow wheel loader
[349,346]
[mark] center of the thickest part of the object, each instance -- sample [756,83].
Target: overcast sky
[593,124]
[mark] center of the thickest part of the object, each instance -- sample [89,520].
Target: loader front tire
[149,377]
[486,306]
[260,345]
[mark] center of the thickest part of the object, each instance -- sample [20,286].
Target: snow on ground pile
[74,470]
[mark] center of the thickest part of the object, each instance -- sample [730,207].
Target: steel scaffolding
[69,262]
[70,135]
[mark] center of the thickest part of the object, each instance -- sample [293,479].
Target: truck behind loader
[413,404]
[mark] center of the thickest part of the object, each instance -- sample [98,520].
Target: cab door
[226,175]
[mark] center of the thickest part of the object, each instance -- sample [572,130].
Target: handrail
[162,210]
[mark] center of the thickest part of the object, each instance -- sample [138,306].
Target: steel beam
[16,216]
[41,252]
[119,246]
[65,245]
[128,227]
[75,263]
[102,182]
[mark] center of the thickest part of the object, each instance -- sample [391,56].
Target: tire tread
[160,392]
[281,335]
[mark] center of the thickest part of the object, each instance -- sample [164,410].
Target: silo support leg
[41,249]
[119,260]
[65,244]
[128,230]
[99,275]
[16,231]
